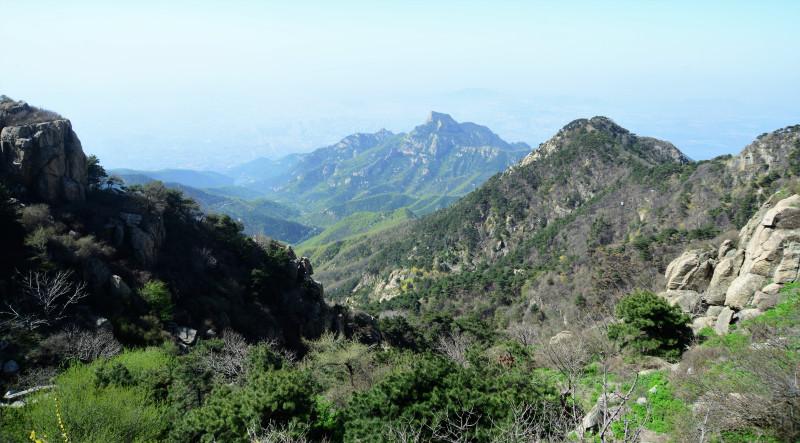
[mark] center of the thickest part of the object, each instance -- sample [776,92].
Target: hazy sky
[202,84]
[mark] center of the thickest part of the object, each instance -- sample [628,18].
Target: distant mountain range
[371,175]
[425,169]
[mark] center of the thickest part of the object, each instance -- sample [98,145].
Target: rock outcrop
[139,229]
[40,153]
[740,283]
[691,271]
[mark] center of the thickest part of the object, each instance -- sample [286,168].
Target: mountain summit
[648,149]
[426,168]
[440,119]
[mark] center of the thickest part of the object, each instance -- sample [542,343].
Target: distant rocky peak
[597,123]
[440,120]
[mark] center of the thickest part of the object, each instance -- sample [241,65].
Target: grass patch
[91,413]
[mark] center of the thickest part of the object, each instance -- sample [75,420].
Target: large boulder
[688,301]
[690,271]
[723,321]
[742,289]
[41,153]
[185,335]
[146,241]
[784,215]
[787,269]
[767,297]
[724,273]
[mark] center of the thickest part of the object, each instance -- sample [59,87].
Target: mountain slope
[258,215]
[358,223]
[145,263]
[593,212]
[188,177]
[437,159]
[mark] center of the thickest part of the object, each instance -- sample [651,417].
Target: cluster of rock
[733,283]
[41,152]
[143,231]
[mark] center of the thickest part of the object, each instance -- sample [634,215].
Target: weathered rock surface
[687,300]
[746,280]
[724,273]
[742,289]
[185,335]
[691,271]
[723,321]
[41,153]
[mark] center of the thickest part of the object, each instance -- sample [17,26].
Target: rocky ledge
[733,283]
[41,153]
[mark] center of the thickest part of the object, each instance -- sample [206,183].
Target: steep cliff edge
[40,151]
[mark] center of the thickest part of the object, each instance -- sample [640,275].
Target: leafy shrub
[434,391]
[120,411]
[95,171]
[40,237]
[115,374]
[158,297]
[650,326]
[33,216]
[281,396]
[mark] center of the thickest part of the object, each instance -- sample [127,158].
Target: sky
[206,85]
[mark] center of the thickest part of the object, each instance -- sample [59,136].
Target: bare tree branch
[455,347]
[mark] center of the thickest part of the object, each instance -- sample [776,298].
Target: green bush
[277,397]
[95,171]
[120,410]
[112,375]
[661,411]
[650,326]
[158,297]
[434,389]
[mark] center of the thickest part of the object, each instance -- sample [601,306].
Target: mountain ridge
[439,157]
[591,199]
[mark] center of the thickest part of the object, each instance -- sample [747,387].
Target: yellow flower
[33,438]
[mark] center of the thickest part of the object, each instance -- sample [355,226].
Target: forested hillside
[520,314]
[593,213]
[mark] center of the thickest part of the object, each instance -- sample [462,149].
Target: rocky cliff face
[736,283]
[116,241]
[40,152]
